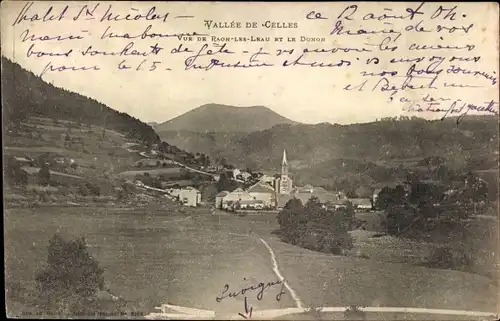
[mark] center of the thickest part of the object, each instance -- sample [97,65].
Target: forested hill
[24,94]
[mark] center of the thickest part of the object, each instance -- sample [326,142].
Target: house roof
[337,202]
[222,194]
[360,202]
[239,193]
[260,188]
[190,188]
[283,199]
[323,195]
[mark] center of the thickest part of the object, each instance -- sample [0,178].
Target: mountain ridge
[313,148]
[26,94]
[225,118]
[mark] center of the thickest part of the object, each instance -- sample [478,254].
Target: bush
[449,258]
[88,188]
[69,282]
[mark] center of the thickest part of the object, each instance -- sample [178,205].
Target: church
[283,185]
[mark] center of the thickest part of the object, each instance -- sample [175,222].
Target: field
[150,257]
[174,171]
[185,257]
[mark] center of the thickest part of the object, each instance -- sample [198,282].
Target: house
[361,204]
[243,176]
[189,196]
[235,196]
[266,179]
[236,172]
[264,193]
[219,199]
[307,192]
[25,160]
[336,204]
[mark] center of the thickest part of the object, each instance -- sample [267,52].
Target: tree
[225,183]
[384,198]
[44,175]
[389,197]
[443,174]
[475,190]
[71,278]
[14,174]
[290,219]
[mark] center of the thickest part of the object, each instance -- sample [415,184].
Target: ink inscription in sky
[421,57]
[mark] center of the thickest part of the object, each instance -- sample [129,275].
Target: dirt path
[245,266]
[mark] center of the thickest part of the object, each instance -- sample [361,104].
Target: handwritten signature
[260,288]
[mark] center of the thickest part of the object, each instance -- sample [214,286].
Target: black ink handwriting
[51,67]
[261,287]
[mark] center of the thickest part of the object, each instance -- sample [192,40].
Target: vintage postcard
[251,160]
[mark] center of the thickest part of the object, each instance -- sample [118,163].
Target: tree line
[416,203]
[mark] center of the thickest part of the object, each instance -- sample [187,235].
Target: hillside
[223,118]
[388,144]
[25,95]
[82,146]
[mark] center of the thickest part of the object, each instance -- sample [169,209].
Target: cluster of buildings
[271,193]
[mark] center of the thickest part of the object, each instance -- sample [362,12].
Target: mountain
[223,118]
[25,94]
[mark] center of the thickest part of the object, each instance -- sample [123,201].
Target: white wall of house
[189,197]
[267,198]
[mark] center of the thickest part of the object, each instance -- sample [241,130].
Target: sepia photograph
[249,160]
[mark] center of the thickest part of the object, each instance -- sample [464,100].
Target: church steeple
[284,165]
[284,183]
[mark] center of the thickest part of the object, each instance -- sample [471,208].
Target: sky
[301,93]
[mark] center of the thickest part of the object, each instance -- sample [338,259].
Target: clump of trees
[70,280]
[226,183]
[417,203]
[316,228]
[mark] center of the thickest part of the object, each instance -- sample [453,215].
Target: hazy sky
[300,93]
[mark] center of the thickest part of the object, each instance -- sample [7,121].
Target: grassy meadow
[150,256]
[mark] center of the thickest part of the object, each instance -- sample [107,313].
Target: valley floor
[152,256]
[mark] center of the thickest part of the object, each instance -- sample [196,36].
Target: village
[265,193]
